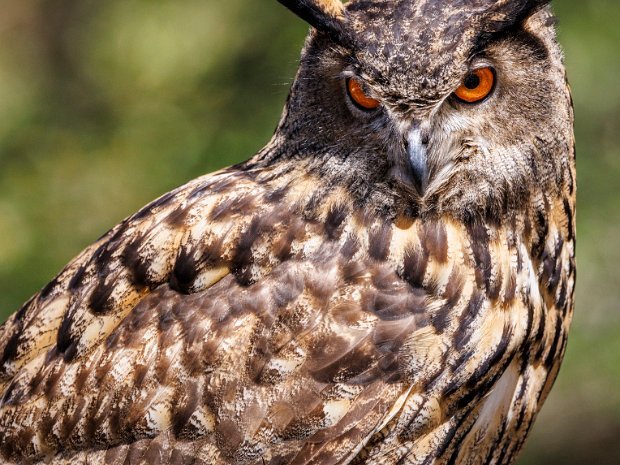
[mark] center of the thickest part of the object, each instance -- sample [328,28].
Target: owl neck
[378,186]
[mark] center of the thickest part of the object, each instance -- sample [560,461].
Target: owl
[388,281]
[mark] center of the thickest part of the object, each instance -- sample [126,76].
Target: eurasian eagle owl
[388,281]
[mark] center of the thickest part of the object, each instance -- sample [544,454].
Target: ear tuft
[518,10]
[332,7]
[499,15]
[323,15]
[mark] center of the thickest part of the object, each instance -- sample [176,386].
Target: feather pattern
[311,306]
[196,327]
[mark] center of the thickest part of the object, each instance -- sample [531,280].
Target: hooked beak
[417,145]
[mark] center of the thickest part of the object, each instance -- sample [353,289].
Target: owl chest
[494,331]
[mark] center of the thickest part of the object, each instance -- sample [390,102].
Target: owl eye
[354,88]
[477,85]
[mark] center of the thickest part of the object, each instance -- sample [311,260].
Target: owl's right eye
[359,97]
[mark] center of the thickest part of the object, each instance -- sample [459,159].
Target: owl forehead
[419,50]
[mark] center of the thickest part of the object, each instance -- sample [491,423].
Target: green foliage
[105,105]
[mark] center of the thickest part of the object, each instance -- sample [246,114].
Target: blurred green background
[104,105]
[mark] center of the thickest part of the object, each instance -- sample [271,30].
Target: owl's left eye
[359,97]
[477,85]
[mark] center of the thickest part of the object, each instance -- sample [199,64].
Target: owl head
[434,106]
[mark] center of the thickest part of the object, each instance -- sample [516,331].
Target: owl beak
[417,143]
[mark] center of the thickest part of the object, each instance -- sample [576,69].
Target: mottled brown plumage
[386,287]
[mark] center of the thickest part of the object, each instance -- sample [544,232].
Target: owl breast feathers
[389,281]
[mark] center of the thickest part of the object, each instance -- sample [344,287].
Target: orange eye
[359,97]
[477,85]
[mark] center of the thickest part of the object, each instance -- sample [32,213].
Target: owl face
[466,109]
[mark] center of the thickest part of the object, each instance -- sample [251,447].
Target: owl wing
[225,323]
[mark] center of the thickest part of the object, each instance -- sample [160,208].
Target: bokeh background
[105,105]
